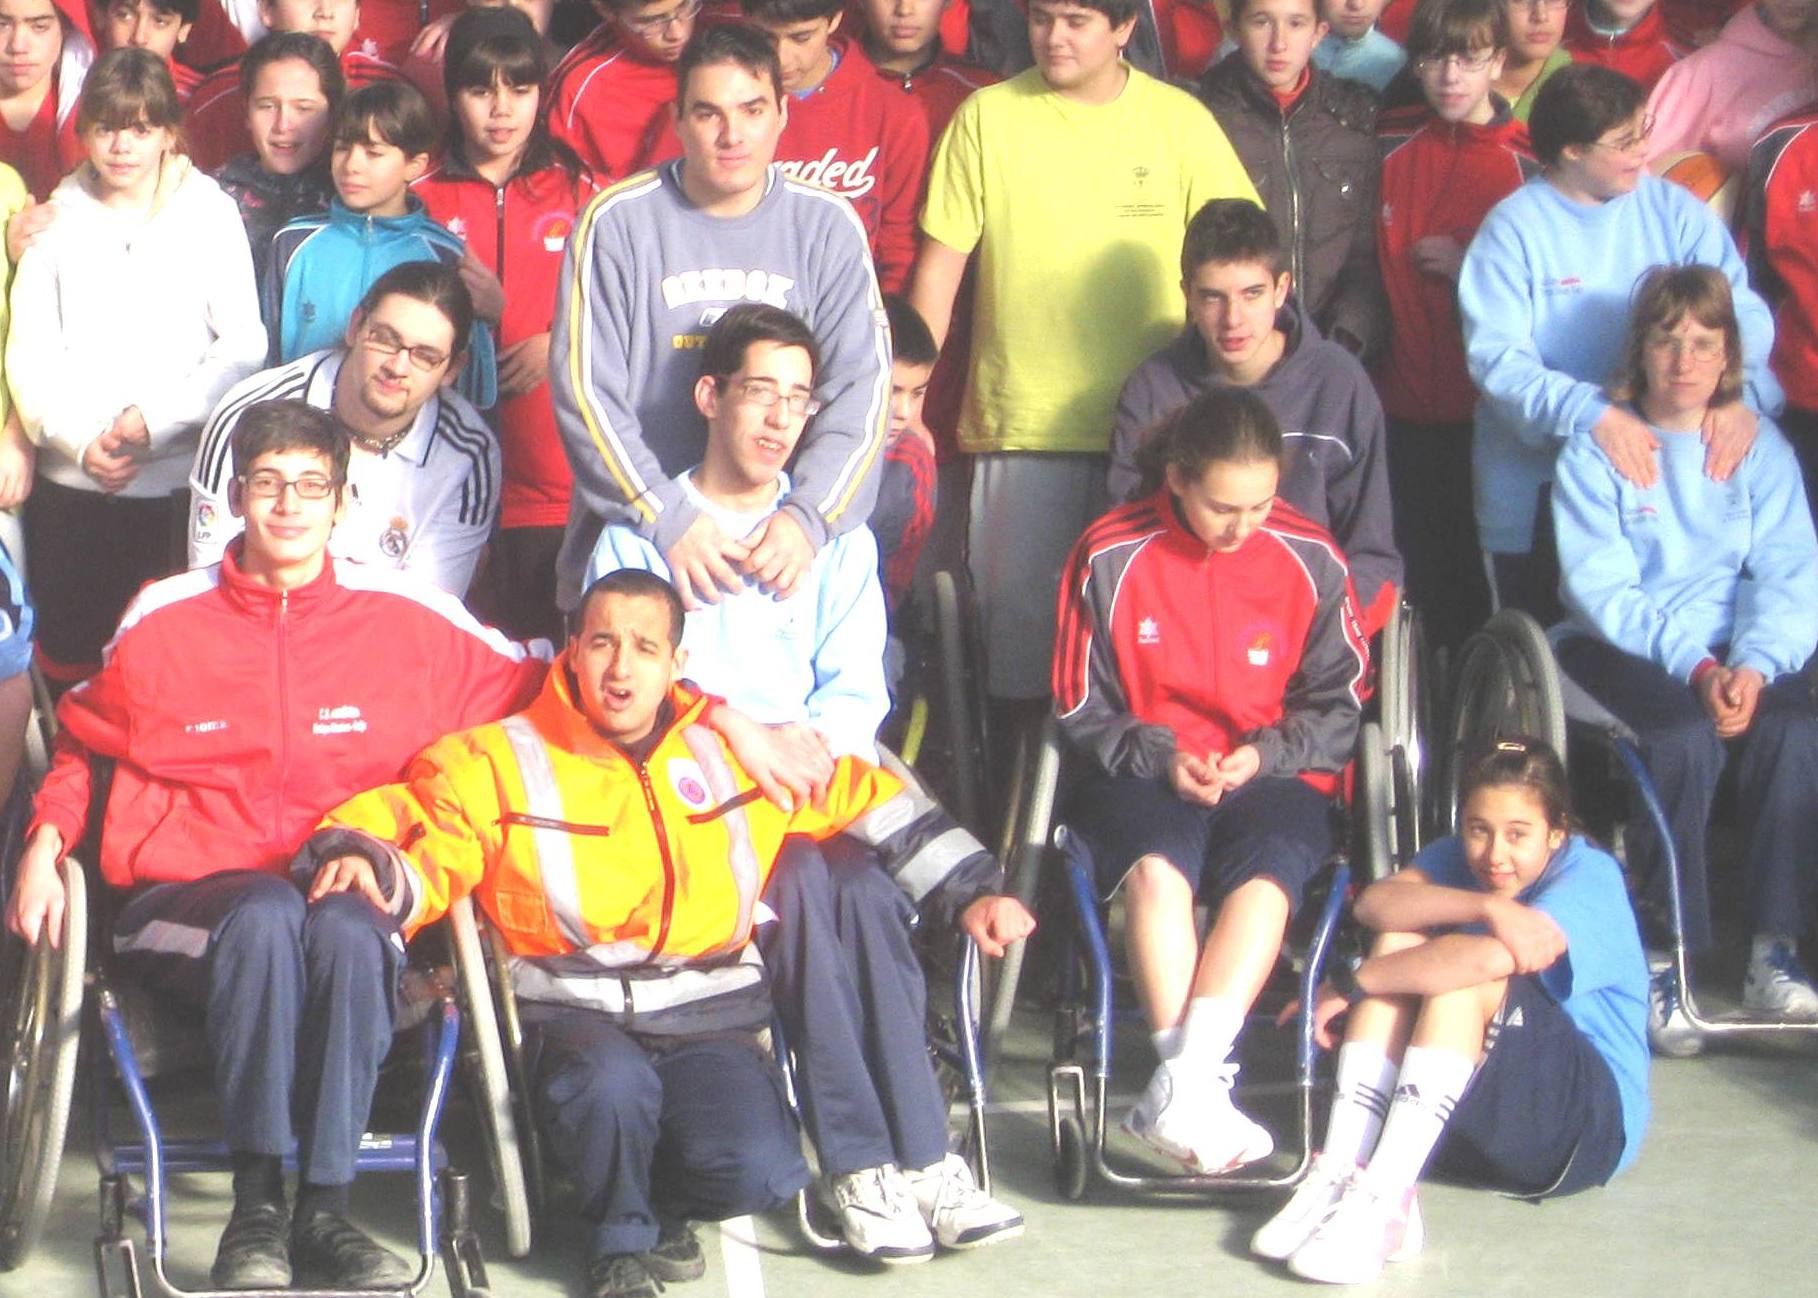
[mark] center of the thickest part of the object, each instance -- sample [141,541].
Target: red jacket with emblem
[519,231]
[1164,644]
[1644,52]
[1780,236]
[214,122]
[237,716]
[1438,178]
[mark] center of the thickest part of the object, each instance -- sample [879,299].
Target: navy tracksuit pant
[298,1001]
[1776,784]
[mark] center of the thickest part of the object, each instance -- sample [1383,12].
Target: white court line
[739,1255]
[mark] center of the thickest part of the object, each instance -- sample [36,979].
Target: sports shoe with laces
[1776,984]
[1278,1237]
[879,1215]
[1671,1031]
[1204,1131]
[621,1275]
[254,1252]
[328,1250]
[678,1255]
[959,1214]
[1363,1230]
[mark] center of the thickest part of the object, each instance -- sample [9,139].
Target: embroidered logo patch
[689,783]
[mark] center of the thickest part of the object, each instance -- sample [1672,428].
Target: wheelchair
[65,1003]
[498,1080]
[1509,683]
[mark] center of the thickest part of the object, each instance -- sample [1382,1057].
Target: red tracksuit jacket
[1164,644]
[519,231]
[1437,178]
[1780,231]
[605,103]
[237,717]
[386,30]
[48,148]
[1644,52]
[215,120]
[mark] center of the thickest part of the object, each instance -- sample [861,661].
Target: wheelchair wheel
[961,708]
[1070,1169]
[483,1058]
[1404,692]
[1507,685]
[38,1067]
[1370,844]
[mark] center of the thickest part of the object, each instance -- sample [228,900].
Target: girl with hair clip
[1693,608]
[1497,1025]
[511,192]
[133,313]
[1209,662]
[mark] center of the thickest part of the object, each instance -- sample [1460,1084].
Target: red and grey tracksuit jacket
[1644,52]
[519,230]
[1164,644]
[237,716]
[214,122]
[1438,178]
[1780,236]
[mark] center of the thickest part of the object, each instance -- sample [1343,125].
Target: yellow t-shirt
[1077,212]
[12,198]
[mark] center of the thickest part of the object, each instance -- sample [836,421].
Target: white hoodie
[155,309]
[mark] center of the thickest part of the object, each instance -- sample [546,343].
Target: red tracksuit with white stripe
[606,102]
[1780,225]
[214,123]
[1438,178]
[1165,644]
[1644,52]
[519,231]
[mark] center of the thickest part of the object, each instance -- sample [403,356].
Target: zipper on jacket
[669,881]
[283,703]
[498,240]
[1297,247]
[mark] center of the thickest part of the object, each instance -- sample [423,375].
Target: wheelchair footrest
[116,1268]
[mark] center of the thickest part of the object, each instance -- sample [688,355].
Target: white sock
[1426,1090]
[1207,1034]
[1167,1043]
[1366,1083]
[1764,944]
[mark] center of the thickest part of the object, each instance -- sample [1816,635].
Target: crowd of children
[1330,303]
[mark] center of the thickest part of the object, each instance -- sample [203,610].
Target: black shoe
[622,1275]
[255,1249]
[331,1251]
[678,1255]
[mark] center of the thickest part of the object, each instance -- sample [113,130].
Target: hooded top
[1644,52]
[45,151]
[1720,99]
[1332,428]
[268,202]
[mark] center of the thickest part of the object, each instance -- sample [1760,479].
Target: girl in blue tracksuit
[1693,606]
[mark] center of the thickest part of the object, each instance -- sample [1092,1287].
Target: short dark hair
[127,86]
[276,426]
[1524,762]
[791,11]
[1577,106]
[911,341]
[433,284]
[755,322]
[735,43]
[393,112]
[1220,425]
[1239,7]
[305,47]
[637,583]
[1228,230]
[1442,27]
[486,45]
[186,10]
[1116,12]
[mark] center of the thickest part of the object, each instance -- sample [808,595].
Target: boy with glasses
[1535,51]
[609,97]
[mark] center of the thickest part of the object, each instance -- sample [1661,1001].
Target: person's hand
[524,365]
[350,873]
[1713,694]
[1728,432]
[110,461]
[18,457]
[995,922]
[789,763]
[38,899]
[1237,767]
[1439,255]
[483,286]
[432,42]
[1328,1007]
[780,555]
[1742,688]
[1195,779]
[23,229]
[1629,444]
[130,430]
[1534,940]
[705,562]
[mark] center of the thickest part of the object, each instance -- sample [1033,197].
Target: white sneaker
[959,1214]
[1279,1237]
[1361,1232]
[1204,1131]
[879,1216]
[1671,1031]
[1776,984]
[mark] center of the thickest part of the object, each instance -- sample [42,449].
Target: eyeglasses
[661,22]
[1702,350]
[269,484]
[383,340]
[1473,62]
[765,396]
[1629,143]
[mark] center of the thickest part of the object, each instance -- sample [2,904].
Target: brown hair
[1220,425]
[128,86]
[1522,762]
[1665,296]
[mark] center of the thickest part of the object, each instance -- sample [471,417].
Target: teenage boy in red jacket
[48,49]
[1628,36]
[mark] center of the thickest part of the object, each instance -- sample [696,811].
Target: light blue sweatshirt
[1545,293]
[1372,58]
[1676,572]
[817,656]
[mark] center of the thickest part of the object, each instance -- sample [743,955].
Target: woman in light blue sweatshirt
[1545,292]
[1693,609]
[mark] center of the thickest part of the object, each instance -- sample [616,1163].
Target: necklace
[380,445]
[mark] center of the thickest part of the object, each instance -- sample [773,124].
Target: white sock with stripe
[1366,1082]
[1426,1090]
